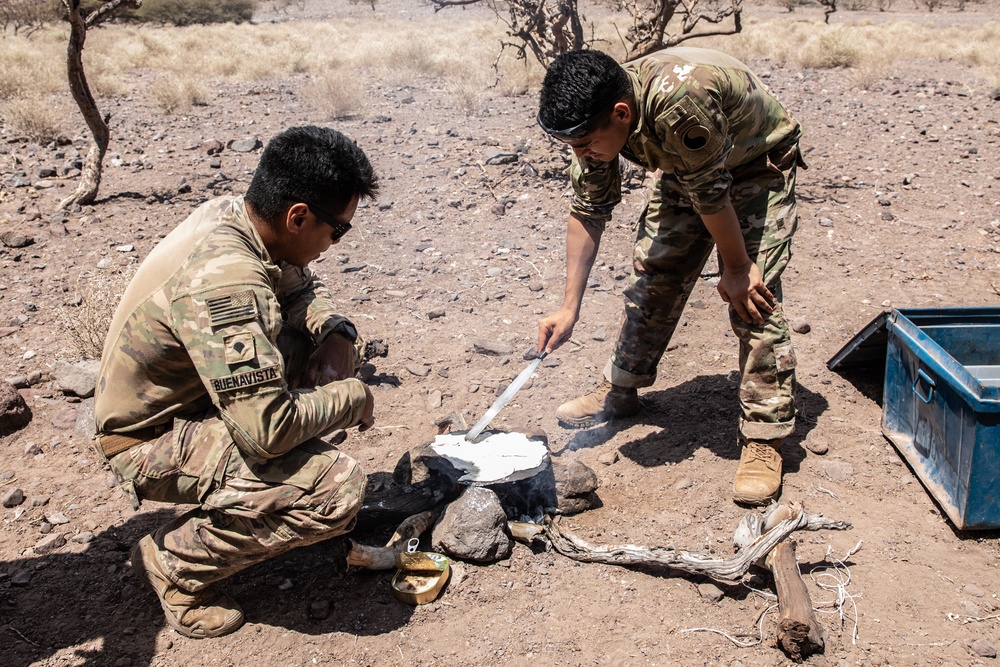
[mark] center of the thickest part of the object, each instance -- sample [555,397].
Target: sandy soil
[900,207]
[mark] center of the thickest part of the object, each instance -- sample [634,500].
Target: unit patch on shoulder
[695,137]
[245,379]
[229,308]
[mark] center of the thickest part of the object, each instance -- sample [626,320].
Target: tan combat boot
[607,403]
[207,613]
[758,478]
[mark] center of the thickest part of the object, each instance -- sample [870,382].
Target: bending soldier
[724,152]
[225,364]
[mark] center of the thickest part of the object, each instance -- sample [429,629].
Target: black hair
[312,165]
[579,85]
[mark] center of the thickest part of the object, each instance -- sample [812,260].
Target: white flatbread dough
[498,456]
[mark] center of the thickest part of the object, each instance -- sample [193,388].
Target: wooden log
[799,633]
[399,502]
[384,558]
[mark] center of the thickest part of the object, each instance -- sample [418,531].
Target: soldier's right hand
[556,329]
[368,416]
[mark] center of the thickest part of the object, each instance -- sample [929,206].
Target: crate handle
[921,375]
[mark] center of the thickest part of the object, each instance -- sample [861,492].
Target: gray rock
[14,412]
[50,543]
[473,527]
[353,268]
[32,449]
[536,286]
[396,294]
[492,348]
[420,370]
[982,647]
[575,486]
[800,325]
[683,484]
[85,419]
[608,458]
[434,399]
[816,446]
[973,590]
[13,498]
[319,609]
[22,578]
[500,157]
[86,537]
[435,314]
[65,418]
[212,147]
[76,378]
[15,240]
[245,145]
[599,335]
[838,471]
[39,501]
[710,591]
[57,518]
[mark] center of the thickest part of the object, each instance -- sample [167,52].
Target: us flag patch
[231,308]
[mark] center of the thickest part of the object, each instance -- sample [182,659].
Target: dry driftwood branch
[384,558]
[727,571]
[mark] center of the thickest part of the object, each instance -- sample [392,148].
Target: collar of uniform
[634,142]
[634,138]
[241,215]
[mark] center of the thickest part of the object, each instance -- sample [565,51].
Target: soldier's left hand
[334,359]
[743,287]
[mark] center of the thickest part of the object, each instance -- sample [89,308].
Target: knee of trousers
[338,494]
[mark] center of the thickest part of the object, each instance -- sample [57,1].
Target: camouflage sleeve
[307,304]
[697,137]
[229,333]
[597,189]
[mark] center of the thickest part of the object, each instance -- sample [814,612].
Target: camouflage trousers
[671,249]
[247,510]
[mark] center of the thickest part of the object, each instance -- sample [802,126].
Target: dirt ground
[900,207]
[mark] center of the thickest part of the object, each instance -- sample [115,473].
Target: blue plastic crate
[941,406]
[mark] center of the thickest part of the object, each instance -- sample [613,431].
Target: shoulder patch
[229,308]
[240,348]
[245,379]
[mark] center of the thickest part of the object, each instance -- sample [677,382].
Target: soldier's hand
[368,416]
[743,288]
[334,359]
[556,329]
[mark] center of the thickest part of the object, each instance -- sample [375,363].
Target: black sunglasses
[339,227]
[584,128]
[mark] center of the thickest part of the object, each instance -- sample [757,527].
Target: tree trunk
[90,179]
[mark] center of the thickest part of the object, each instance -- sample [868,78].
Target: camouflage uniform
[713,134]
[200,348]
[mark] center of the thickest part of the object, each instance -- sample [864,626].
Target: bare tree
[651,20]
[90,179]
[548,28]
[25,16]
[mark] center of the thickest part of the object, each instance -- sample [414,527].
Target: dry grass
[172,93]
[86,325]
[334,95]
[32,117]
[347,56]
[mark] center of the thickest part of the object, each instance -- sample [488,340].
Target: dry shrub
[34,118]
[334,95]
[831,49]
[172,93]
[87,325]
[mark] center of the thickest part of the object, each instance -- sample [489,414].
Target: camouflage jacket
[198,326]
[700,114]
